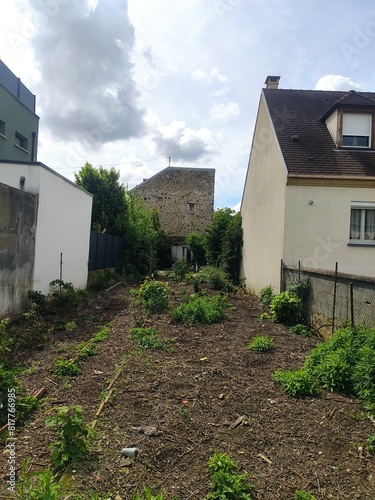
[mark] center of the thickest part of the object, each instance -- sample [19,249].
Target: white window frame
[354,125]
[363,207]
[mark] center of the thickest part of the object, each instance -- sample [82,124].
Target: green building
[18,122]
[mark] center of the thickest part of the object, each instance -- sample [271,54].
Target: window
[2,128]
[362,223]
[21,141]
[191,208]
[356,130]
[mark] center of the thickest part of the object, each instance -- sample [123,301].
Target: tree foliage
[109,198]
[223,241]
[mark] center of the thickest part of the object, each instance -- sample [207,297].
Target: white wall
[63,224]
[262,208]
[317,234]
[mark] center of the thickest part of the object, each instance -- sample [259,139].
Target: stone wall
[18,217]
[184,198]
[354,298]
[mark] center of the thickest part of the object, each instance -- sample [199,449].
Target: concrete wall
[18,216]
[262,209]
[172,190]
[317,229]
[63,223]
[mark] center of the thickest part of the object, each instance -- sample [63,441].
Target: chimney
[272,82]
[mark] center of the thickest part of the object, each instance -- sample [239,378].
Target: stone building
[184,198]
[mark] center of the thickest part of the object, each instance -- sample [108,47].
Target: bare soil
[206,393]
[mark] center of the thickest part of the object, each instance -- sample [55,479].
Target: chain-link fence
[334,298]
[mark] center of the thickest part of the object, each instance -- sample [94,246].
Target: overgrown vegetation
[199,309]
[226,483]
[302,330]
[297,383]
[346,363]
[180,269]
[215,277]
[285,307]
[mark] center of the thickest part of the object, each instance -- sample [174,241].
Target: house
[309,197]
[18,122]
[44,232]
[184,198]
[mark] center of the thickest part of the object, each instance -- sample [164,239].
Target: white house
[309,194]
[62,226]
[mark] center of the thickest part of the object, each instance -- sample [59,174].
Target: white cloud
[224,112]
[181,142]
[133,171]
[336,82]
[87,91]
[208,78]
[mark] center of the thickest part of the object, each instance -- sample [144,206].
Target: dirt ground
[180,405]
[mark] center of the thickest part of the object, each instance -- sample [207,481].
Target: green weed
[64,367]
[261,344]
[303,495]
[285,308]
[226,483]
[266,295]
[74,436]
[302,330]
[296,383]
[148,338]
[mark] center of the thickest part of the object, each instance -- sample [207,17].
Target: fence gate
[105,250]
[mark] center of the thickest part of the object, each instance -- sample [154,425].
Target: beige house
[309,196]
[184,198]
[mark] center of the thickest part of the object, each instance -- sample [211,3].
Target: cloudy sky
[133,83]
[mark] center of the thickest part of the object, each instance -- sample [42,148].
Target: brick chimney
[272,82]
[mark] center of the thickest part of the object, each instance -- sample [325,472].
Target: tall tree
[109,198]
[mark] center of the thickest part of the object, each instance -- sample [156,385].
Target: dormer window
[356,130]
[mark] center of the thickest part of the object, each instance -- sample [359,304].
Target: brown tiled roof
[305,142]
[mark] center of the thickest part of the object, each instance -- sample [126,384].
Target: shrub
[180,269]
[73,433]
[217,278]
[36,297]
[154,295]
[297,383]
[285,308]
[300,329]
[266,295]
[261,344]
[299,288]
[370,443]
[204,310]
[66,292]
[226,482]
[265,316]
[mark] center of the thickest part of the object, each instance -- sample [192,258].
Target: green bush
[299,288]
[297,383]
[215,277]
[370,443]
[66,292]
[36,297]
[302,330]
[103,279]
[266,295]
[285,308]
[180,269]
[154,295]
[203,310]
[261,344]
[74,436]
[226,483]
[86,350]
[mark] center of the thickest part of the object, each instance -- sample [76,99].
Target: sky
[142,84]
